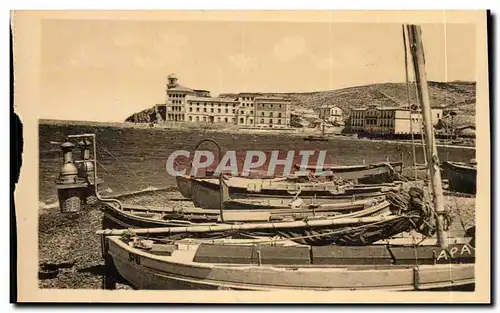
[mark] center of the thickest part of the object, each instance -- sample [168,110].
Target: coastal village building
[272,112]
[331,113]
[248,109]
[390,120]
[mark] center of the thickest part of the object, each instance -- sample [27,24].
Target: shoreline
[233,131]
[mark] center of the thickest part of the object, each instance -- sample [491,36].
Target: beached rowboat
[221,264]
[461,176]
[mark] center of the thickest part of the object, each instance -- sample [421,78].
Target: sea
[132,159]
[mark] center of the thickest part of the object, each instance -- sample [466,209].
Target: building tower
[172,81]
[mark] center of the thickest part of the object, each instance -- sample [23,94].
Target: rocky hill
[459,96]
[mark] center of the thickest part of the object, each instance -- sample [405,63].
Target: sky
[105,70]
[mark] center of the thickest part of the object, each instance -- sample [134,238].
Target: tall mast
[417,52]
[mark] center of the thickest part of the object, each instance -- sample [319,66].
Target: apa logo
[457,251]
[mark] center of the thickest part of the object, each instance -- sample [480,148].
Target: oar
[229,227]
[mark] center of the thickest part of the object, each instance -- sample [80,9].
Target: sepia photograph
[253,151]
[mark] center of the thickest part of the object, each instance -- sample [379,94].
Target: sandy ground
[71,239]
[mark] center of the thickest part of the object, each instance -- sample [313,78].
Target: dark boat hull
[461,177]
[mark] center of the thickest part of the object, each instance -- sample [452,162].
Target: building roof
[210,99]
[389,108]
[272,98]
[180,88]
[249,93]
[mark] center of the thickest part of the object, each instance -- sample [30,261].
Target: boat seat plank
[163,249]
[228,254]
[281,255]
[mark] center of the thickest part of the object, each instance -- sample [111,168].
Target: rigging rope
[162,196]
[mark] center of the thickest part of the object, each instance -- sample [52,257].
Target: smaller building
[390,120]
[330,113]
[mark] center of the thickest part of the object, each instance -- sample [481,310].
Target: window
[197,109]
[234,111]
[279,121]
[197,118]
[218,119]
[204,109]
[279,114]
[212,110]
[262,113]
[271,105]
[234,105]
[190,109]
[271,114]
[251,121]
[190,118]
[226,110]
[270,121]
[225,119]
[218,110]
[262,121]
[242,120]
[204,118]
[251,112]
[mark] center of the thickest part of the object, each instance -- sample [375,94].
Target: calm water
[141,154]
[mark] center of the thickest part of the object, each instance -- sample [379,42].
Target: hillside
[460,96]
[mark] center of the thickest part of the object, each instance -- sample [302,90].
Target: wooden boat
[375,173]
[228,266]
[160,209]
[315,138]
[461,176]
[205,193]
[316,254]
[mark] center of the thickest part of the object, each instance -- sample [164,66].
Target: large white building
[247,109]
[390,120]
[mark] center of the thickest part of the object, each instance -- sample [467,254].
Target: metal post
[417,50]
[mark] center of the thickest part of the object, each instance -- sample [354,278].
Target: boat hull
[461,177]
[184,185]
[148,271]
[132,216]
[206,194]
